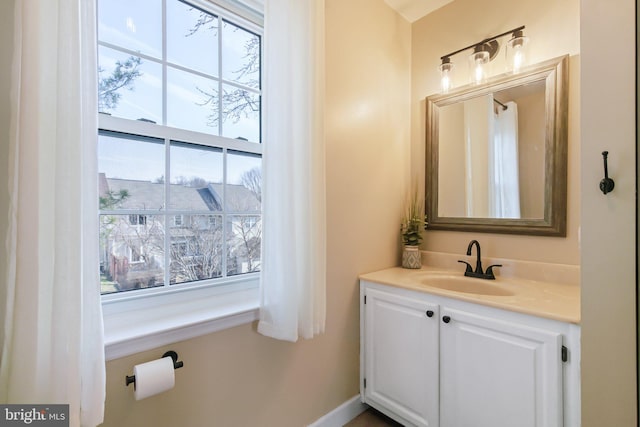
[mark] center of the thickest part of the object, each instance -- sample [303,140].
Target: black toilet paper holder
[176,364]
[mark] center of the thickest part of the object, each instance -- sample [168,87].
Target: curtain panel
[293,274]
[504,191]
[51,321]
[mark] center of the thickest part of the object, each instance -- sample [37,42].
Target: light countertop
[552,300]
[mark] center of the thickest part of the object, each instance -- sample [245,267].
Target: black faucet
[478,272]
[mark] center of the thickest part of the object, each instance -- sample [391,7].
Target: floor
[372,418]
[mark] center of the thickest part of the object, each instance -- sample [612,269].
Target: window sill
[133,325]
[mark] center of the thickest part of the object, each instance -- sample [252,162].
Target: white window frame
[136,321]
[132,255]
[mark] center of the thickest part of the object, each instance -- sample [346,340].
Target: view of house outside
[174,212]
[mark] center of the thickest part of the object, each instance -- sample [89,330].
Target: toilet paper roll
[153,377]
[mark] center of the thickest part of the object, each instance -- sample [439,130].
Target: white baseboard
[342,414]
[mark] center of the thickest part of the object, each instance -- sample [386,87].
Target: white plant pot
[411,257]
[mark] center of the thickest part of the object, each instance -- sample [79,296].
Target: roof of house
[146,195]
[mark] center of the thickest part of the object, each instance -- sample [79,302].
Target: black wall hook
[607,184]
[128,379]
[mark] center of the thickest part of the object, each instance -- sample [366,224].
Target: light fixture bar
[482,42]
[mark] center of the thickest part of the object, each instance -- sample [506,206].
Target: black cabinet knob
[446,319]
[429,313]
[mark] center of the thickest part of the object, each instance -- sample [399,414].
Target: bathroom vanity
[441,349]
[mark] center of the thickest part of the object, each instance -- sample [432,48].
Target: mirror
[497,154]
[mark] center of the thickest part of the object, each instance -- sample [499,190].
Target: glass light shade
[478,66]
[516,52]
[446,74]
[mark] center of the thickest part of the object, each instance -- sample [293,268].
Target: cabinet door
[401,357]
[498,374]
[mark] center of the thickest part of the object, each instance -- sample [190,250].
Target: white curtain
[504,194]
[51,319]
[293,296]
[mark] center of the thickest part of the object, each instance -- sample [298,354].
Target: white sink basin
[467,285]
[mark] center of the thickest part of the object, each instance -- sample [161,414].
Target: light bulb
[478,62]
[446,82]
[479,71]
[446,71]
[517,52]
[518,58]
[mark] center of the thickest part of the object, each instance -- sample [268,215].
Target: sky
[136,25]
[143,159]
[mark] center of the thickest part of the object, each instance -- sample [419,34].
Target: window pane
[192,37]
[131,172]
[244,182]
[240,113]
[131,252]
[196,177]
[132,24]
[129,86]
[240,55]
[192,102]
[196,248]
[201,75]
[243,244]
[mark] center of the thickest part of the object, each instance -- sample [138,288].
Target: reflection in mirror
[496,154]
[501,137]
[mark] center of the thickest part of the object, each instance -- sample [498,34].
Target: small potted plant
[412,225]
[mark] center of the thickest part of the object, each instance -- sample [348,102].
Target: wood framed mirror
[496,154]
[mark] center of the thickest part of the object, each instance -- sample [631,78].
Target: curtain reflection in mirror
[491,159]
[504,188]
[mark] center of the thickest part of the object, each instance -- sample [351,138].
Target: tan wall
[476,118]
[531,154]
[609,226]
[452,177]
[239,378]
[553,27]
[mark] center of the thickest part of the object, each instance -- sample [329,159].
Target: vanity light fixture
[483,53]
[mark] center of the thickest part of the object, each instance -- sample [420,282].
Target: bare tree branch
[252,180]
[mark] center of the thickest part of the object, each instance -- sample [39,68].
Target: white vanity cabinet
[429,360]
[497,373]
[401,362]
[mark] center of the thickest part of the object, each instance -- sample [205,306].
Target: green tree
[111,199]
[122,77]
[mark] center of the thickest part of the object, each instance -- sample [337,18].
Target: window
[179,145]
[134,254]
[137,219]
